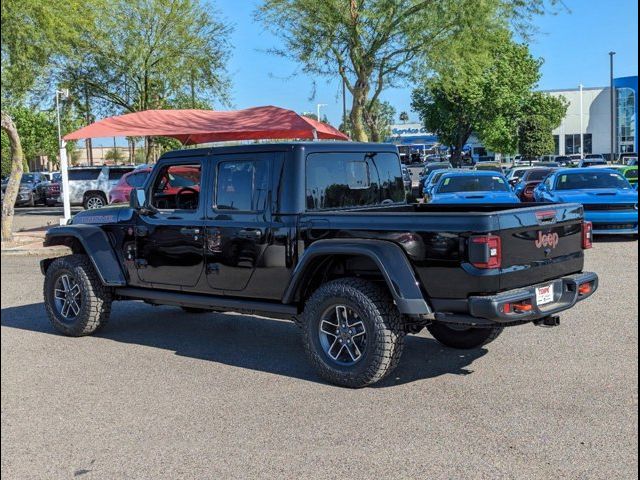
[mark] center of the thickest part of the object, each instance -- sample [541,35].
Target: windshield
[57,177]
[470,183]
[28,178]
[589,180]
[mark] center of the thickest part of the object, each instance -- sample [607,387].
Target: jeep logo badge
[547,240]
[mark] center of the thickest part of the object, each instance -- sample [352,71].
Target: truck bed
[436,239]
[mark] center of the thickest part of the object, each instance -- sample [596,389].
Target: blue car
[609,200]
[432,179]
[477,187]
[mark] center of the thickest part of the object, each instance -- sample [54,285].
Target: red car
[529,181]
[120,192]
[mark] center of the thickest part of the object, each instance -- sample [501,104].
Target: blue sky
[573,43]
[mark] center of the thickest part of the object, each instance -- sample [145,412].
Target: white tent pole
[64,165]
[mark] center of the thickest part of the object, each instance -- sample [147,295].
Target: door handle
[190,231]
[249,233]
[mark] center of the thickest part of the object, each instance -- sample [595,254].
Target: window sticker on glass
[447,181]
[563,179]
[500,180]
[358,175]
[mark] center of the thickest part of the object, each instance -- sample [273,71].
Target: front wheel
[463,337]
[75,299]
[353,332]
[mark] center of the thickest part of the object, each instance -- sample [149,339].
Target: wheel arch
[92,241]
[388,258]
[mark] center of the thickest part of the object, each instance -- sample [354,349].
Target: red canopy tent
[202,126]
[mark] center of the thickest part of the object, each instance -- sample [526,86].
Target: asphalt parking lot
[162,394]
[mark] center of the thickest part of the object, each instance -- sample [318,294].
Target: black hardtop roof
[308,147]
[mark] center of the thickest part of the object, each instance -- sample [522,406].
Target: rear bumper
[491,310]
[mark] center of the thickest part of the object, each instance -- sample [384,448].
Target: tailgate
[540,243]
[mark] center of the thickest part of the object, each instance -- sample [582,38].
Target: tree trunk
[359,133]
[13,186]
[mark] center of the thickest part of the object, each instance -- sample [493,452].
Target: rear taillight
[587,235]
[485,251]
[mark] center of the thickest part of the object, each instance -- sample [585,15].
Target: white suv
[89,186]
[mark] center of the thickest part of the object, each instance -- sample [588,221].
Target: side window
[342,180]
[84,174]
[136,180]
[242,186]
[177,187]
[549,182]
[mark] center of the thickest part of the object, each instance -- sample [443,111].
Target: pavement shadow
[613,238]
[243,341]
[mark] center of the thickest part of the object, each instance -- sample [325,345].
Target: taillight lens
[587,235]
[486,251]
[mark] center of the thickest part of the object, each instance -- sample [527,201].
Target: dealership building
[588,121]
[589,118]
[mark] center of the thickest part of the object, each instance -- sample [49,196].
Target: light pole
[64,165]
[318,106]
[581,125]
[613,111]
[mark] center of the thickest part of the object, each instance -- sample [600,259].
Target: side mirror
[137,199]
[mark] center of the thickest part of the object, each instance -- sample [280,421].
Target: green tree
[486,98]
[541,115]
[375,44]
[152,54]
[404,117]
[35,35]
[378,119]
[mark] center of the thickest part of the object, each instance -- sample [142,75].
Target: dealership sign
[409,130]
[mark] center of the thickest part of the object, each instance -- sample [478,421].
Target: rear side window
[242,185]
[136,180]
[84,174]
[633,174]
[342,180]
[117,173]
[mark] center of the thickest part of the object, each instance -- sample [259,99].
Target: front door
[170,241]
[238,229]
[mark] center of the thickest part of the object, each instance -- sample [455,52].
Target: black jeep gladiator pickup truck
[320,233]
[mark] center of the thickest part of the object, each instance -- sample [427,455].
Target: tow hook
[550,321]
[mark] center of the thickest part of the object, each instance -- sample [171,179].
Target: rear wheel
[94,200]
[353,332]
[75,299]
[463,337]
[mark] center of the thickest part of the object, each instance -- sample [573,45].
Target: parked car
[30,192]
[592,162]
[514,174]
[426,171]
[475,187]
[630,159]
[609,200]
[529,181]
[90,186]
[547,164]
[134,179]
[489,166]
[566,160]
[433,179]
[320,233]
[595,156]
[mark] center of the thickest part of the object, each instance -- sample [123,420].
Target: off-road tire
[195,310]
[383,322]
[90,196]
[95,306]
[463,339]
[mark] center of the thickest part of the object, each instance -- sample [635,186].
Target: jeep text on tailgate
[320,233]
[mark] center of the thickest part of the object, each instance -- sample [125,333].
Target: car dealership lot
[161,394]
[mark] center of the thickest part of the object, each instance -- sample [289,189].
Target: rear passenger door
[238,220]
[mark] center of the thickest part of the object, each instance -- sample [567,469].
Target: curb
[37,252]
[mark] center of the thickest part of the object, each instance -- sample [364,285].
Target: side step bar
[243,305]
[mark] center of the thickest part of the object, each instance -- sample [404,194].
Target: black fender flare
[96,244]
[388,256]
